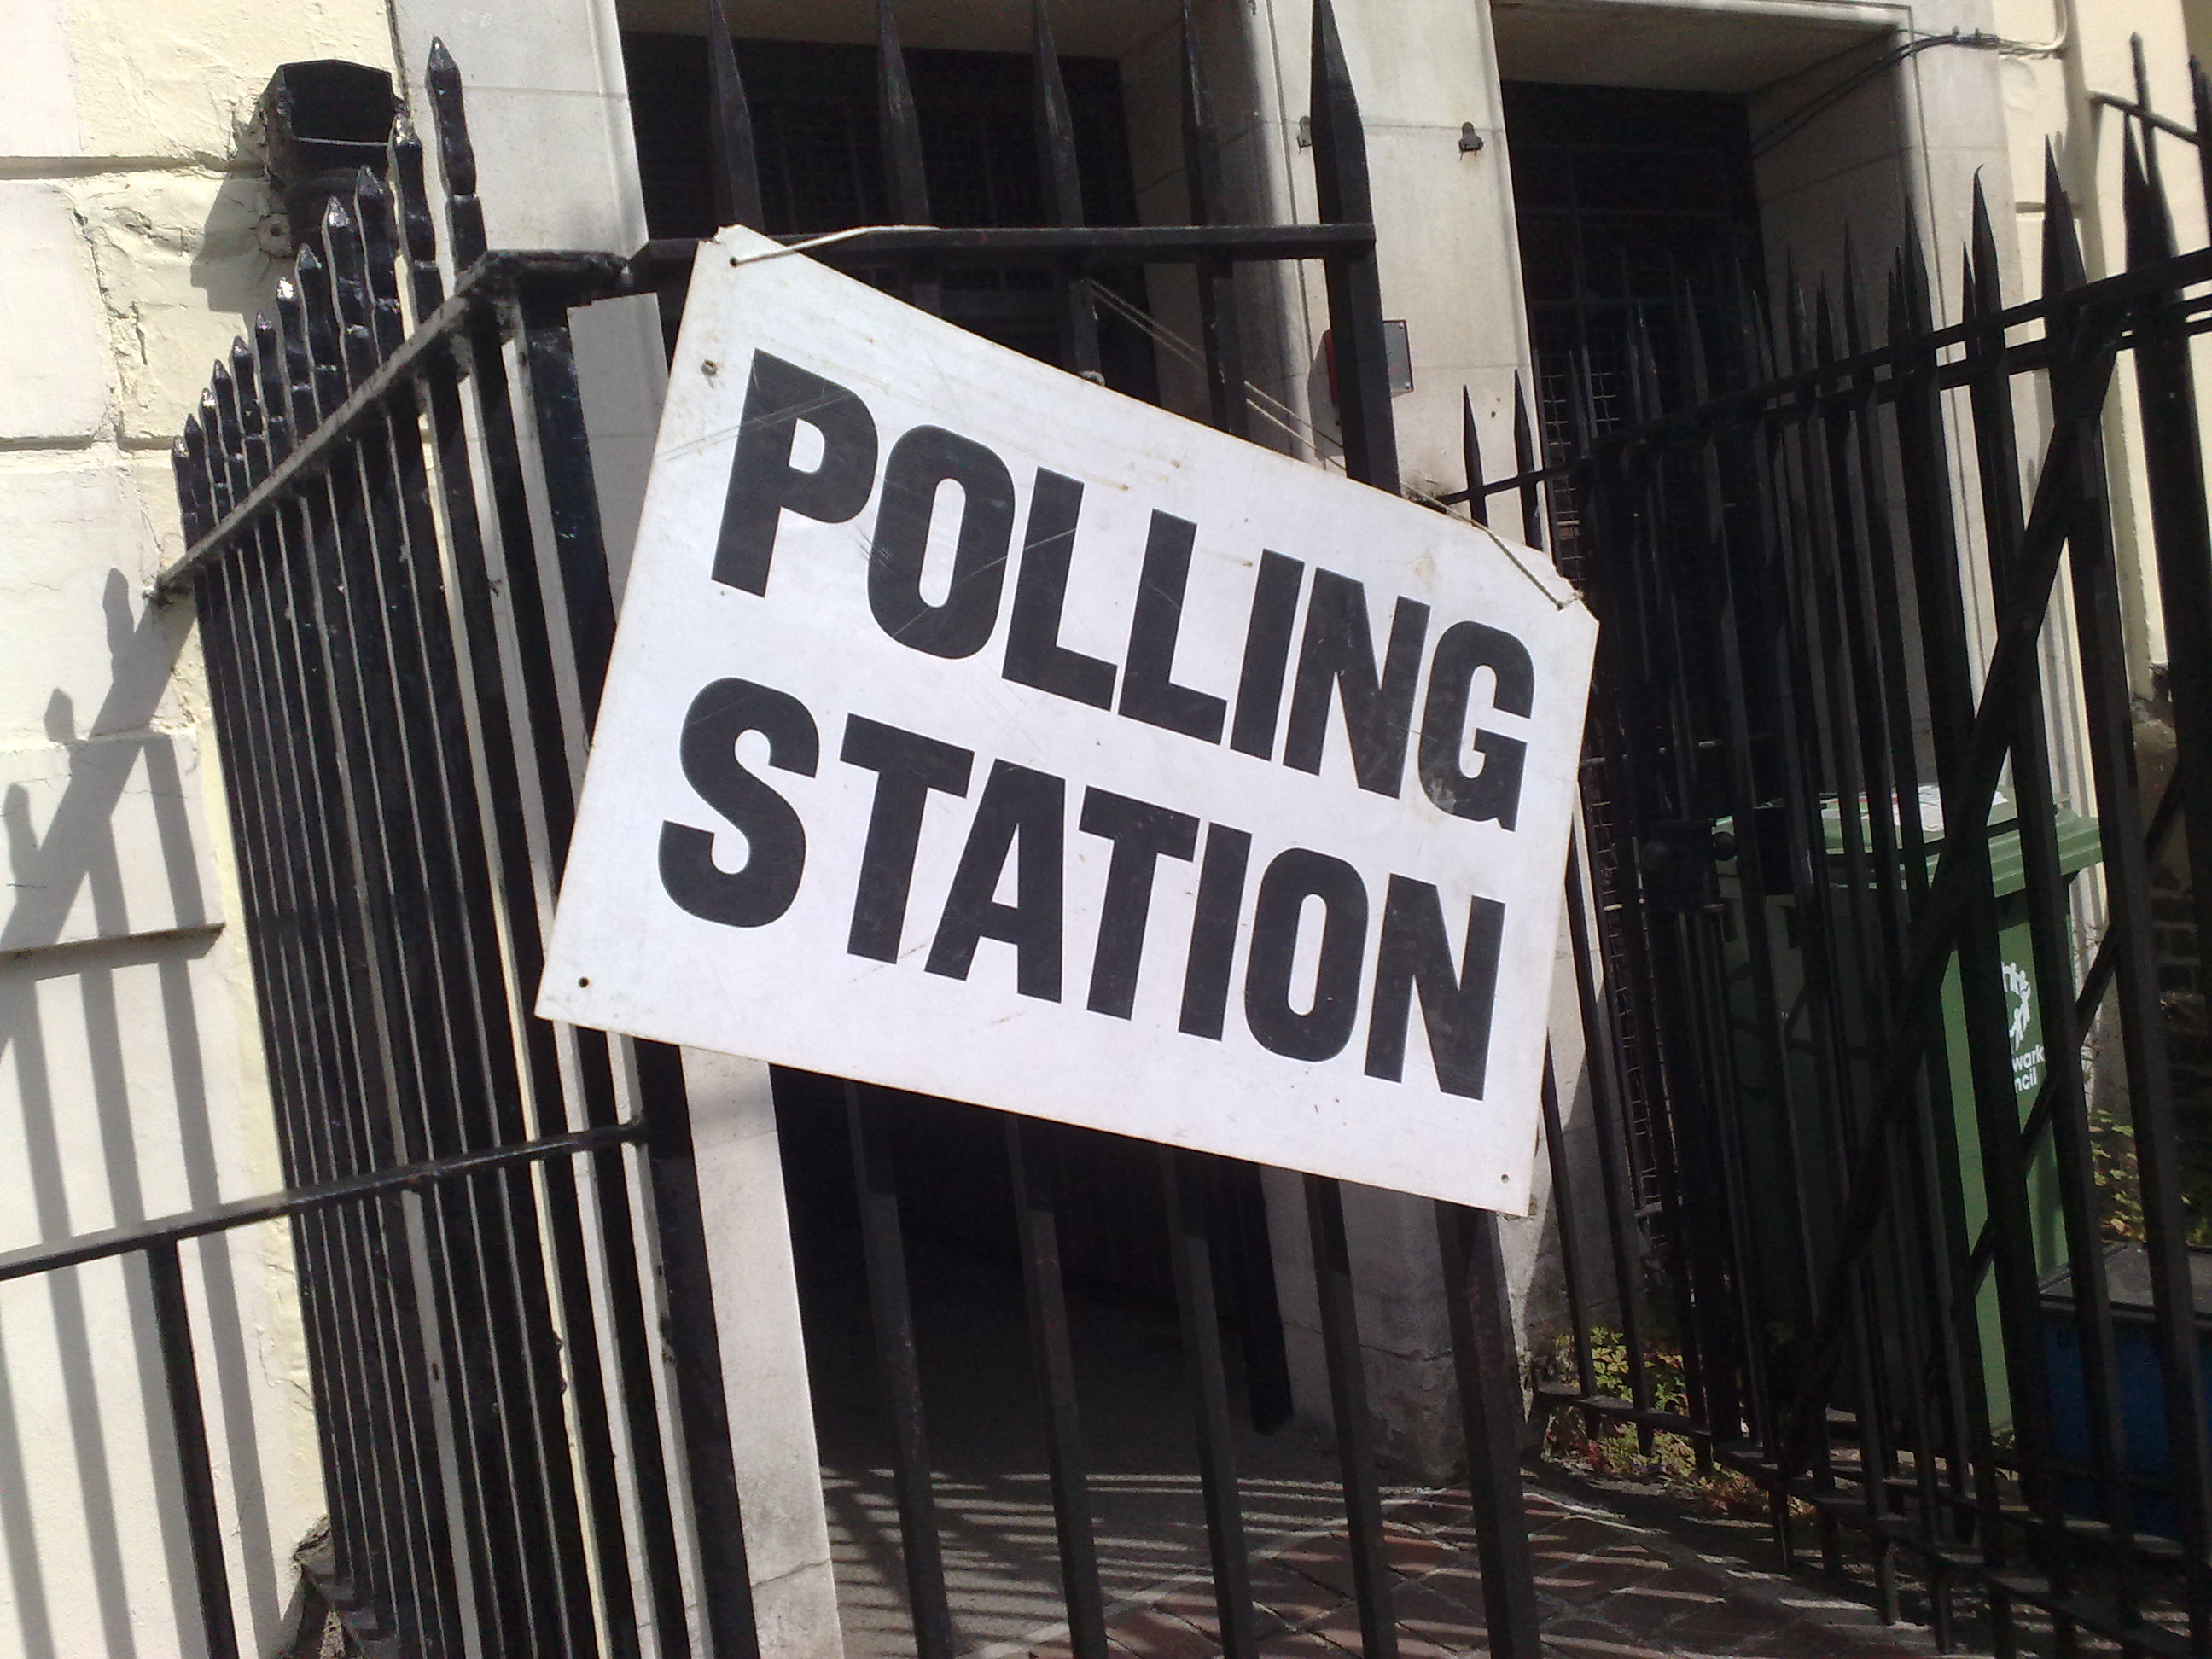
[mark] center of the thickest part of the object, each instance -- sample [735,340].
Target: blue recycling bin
[2142,1389]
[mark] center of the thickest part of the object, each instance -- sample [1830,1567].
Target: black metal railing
[1921,1274]
[388,636]
[395,556]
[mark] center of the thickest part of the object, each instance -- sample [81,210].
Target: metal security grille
[818,157]
[1902,1267]
[1632,205]
[404,597]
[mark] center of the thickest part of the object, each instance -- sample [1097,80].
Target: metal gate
[1828,891]
[404,597]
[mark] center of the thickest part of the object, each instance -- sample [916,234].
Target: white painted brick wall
[131,1071]
[53,359]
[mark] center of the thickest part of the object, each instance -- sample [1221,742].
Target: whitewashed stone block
[181,276]
[180,81]
[38,92]
[53,353]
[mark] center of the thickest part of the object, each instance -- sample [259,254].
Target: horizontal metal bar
[667,264]
[662,261]
[1847,1503]
[1557,1396]
[245,1212]
[2169,275]
[495,277]
[2129,107]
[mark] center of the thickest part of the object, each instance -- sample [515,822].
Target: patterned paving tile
[1607,1588]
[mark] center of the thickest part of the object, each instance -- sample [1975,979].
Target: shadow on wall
[244,248]
[106,1119]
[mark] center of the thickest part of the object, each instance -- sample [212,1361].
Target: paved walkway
[1609,1589]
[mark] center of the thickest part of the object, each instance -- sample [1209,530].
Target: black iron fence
[1872,842]
[402,663]
[404,598]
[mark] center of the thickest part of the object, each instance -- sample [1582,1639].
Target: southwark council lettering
[1416,701]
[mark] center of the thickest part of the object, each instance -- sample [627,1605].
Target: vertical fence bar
[899,1368]
[472,1222]
[2182,537]
[733,168]
[1470,451]
[1183,1179]
[373,598]
[1056,156]
[468,1226]
[1490,1398]
[548,382]
[270,795]
[271,864]
[1865,815]
[302,716]
[1219,328]
[1526,457]
[1623,1229]
[1925,1345]
[1355,1433]
[534,604]
[1924,486]
[195,1470]
[718,1520]
[487,747]
[2005,1164]
[1722,605]
[1051,1347]
[899,131]
[1564,1206]
[550,385]
[1355,293]
[2108,717]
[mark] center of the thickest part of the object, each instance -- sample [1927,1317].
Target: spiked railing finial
[1854,336]
[1355,302]
[192,494]
[1201,145]
[457,157]
[319,331]
[1063,182]
[1055,125]
[1527,457]
[269,378]
[734,166]
[2200,98]
[292,336]
[2149,231]
[900,126]
[1987,278]
[1470,449]
[372,199]
[2062,245]
[418,230]
[1339,146]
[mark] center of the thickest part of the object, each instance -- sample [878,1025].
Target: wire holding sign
[971,726]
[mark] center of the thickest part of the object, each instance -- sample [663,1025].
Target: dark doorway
[1637,214]
[1630,204]
[820,164]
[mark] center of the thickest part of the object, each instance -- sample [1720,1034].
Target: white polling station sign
[974,730]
